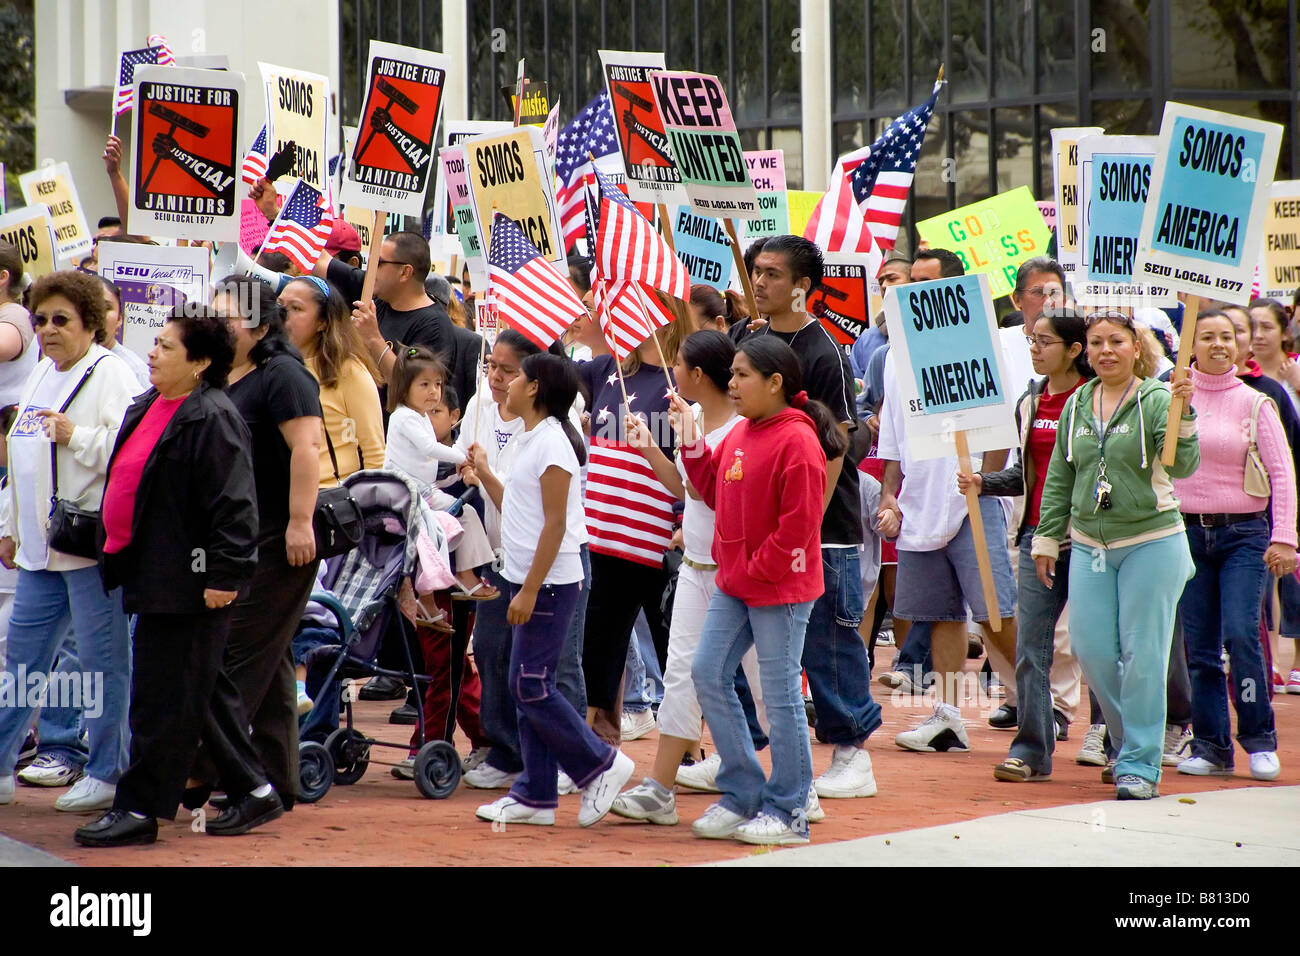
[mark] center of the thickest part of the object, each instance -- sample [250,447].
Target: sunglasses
[40,321]
[1108,316]
[393,262]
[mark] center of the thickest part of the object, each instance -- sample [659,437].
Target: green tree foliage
[17,94]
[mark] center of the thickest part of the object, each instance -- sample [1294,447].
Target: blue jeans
[643,682]
[551,733]
[1121,626]
[44,602]
[914,656]
[58,729]
[569,679]
[1037,611]
[1220,608]
[834,655]
[777,633]
[323,719]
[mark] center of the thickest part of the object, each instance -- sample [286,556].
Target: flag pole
[482,349]
[745,284]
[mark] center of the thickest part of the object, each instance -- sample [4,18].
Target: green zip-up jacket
[1143,506]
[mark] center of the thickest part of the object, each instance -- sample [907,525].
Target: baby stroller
[367,581]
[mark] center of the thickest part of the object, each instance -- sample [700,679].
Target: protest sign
[1209,194]
[652,175]
[705,143]
[444,218]
[1065,181]
[1114,174]
[186,153]
[843,302]
[31,230]
[801,203]
[298,111]
[451,159]
[153,281]
[1048,210]
[508,170]
[703,247]
[53,186]
[253,226]
[389,167]
[363,221]
[991,237]
[535,106]
[767,172]
[1281,248]
[551,135]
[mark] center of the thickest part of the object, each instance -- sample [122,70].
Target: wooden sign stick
[977,533]
[740,267]
[372,263]
[1185,339]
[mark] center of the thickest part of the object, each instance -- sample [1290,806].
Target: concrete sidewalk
[13,853]
[1252,826]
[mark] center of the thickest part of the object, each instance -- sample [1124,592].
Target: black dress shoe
[117,828]
[247,813]
[405,714]
[383,688]
[1062,726]
[195,797]
[221,801]
[1004,718]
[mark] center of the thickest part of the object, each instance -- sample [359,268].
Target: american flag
[529,292]
[881,183]
[622,311]
[836,223]
[592,132]
[156,53]
[629,247]
[254,167]
[302,228]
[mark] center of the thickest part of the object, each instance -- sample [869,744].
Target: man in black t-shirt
[785,271]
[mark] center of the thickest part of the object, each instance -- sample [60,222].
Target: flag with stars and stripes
[629,247]
[155,54]
[623,313]
[529,292]
[836,223]
[591,133]
[302,228]
[254,167]
[881,182]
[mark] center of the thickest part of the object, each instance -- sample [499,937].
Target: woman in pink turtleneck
[1234,546]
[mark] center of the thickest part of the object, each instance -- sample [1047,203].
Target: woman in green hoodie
[1107,489]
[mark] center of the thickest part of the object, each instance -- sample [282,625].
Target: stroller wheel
[437,770]
[351,755]
[315,771]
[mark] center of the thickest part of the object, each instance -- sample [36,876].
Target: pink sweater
[1223,405]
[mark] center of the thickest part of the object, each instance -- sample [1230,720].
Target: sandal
[1015,770]
[479,592]
[436,622]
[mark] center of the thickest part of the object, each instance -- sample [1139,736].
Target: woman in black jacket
[180,527]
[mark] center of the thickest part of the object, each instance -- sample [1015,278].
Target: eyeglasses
[1041,341]
[59,321]
[393,262]
[1042,292]
[1108,316]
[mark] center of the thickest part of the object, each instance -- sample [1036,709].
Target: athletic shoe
[647,801]
[564,784]
[1265,765]
[1129,786]
[1203,767]
[598,796]
[87,794]
[718,823]
[1279,685]
[701,775]
[28,751]
[942,730]
[885,637]
[487,777]
[1062,725]
[1005,717]
[304,702]
[766,829]
[1293,683]
[812,808]
[901,680]
[849,775]
[1093,751]
[48,770]
[6,789]
[1108,772]
[1015,770]
[1178,745]
[637,724]
[472,759]
[405,770]
[510,810]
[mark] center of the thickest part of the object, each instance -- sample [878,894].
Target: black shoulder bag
[337,521]
[73,530]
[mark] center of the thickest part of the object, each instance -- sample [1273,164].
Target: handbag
[1256,483]
[73,530]
[337,520]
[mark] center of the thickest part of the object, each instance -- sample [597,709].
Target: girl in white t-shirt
[541,532]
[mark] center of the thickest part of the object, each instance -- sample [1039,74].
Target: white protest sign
[298,111]
[454,133]
[153,280]
[1065,181]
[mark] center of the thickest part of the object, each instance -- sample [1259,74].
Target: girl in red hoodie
[766,482]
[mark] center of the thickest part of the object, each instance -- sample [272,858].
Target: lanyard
[1103,426]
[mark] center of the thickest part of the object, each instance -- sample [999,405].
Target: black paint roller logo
[381,121]
[657,142]
[212,176]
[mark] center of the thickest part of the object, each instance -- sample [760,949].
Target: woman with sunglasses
[1107,489]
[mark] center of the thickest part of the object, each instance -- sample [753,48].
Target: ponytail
[770,356]
[833,441]
[557,386]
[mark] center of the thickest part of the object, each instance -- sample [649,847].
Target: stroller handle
[331,603]
[459,504]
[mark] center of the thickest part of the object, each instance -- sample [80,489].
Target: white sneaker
[487,777]
[1178,745]
[646,802]
[942,730]
[849,775]
[304,702]
[902,681]
[474,758]
[1203,767]
[598,796]
[405,769]
[1093,751]
[1265,765]
[812,807]
[510,810]
[564,784]
[701,775]
[768,830]
[637,724]
[718,823]
[6,789]
[47,770]
[87,794]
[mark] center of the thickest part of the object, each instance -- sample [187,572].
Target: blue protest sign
[703,247]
